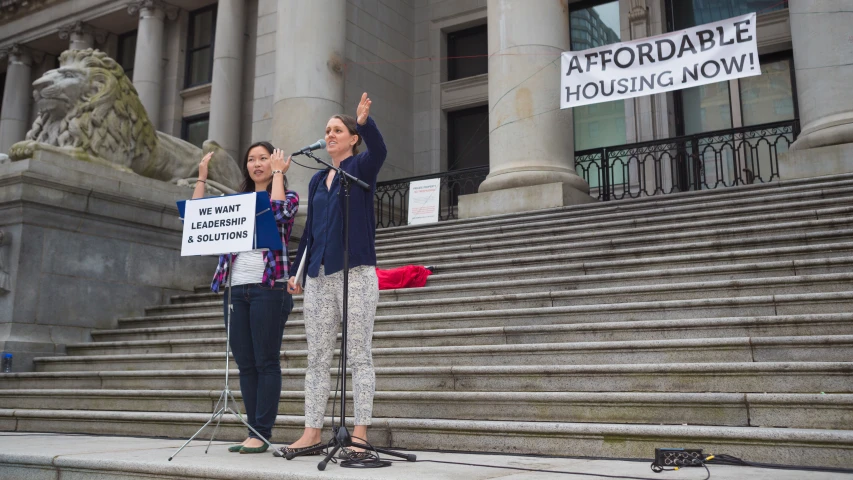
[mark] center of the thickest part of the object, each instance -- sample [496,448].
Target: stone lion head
[89,103]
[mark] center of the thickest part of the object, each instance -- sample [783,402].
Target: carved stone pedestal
[83,245]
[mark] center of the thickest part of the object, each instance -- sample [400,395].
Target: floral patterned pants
[323,308]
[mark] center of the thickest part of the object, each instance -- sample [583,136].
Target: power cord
[306,166]
[721,459]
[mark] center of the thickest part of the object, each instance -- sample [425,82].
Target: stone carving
[80,28]
[137,6]
[88,109]
[14,9]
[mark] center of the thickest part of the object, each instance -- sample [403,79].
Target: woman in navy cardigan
[323,278]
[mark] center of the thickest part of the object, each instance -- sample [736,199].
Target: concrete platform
[51,456]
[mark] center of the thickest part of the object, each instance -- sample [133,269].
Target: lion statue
[88,109]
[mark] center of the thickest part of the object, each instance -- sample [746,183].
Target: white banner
[217,225]
[423,201]
[700,55]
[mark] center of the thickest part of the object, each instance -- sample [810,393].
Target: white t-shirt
[248,268]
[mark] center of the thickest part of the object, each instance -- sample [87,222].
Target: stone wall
[379,50]
[87,244]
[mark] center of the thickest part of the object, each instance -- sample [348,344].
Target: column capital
[17,53]
[81,28]
[639,12]
[136,7]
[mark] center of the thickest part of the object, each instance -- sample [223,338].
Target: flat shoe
[281,452]
[349,454]
[235,448]
[263,448]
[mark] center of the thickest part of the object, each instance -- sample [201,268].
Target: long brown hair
[351,124]
[248,184]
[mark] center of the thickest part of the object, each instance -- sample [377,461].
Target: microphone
[310,148]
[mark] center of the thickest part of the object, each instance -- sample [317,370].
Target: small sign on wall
[424,197]
[217,225]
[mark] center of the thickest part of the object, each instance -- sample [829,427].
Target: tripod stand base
[224,398]
[343,439]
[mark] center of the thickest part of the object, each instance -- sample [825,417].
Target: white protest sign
[423,201]
[709,53]
[217,225]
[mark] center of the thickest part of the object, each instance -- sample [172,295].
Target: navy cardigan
[362,227]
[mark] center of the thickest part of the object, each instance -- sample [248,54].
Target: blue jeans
[257,326]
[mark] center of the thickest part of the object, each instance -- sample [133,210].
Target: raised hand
[363,110]
[277,161]
[202,166]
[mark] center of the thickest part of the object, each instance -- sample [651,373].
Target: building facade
[460,84]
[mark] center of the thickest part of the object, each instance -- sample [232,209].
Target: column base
[816,162]
[521,199]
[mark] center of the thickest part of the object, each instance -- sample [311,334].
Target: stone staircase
[721,320]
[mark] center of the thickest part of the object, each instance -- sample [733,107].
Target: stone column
[823,59]
[148,61]
[227,85]
[81,35]
[309,86]
[531,152]
[17,92]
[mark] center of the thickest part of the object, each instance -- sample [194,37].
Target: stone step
[468,272]
[625,239]
[568,294]
[806,447]
[555,278]
[209,338]
[635,247]
[761,305]
[814,245]
[729,377]
[774,192]
[537,256]
[807,259]
[812,348]
[615,225]
[832,411]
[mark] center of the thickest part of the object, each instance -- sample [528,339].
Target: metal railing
[391,201]
[725,158]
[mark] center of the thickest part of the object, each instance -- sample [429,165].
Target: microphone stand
[341,436]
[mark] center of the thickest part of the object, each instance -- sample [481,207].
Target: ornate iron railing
[725,158]
[392,197]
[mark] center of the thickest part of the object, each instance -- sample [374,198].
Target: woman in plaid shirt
[260,301]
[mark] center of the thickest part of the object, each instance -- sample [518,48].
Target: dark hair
[350,123]
[248,184]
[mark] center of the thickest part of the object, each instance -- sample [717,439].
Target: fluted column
[309,85]
[17,92]
[227,81]
[148,61]
[530,138]
[81,36]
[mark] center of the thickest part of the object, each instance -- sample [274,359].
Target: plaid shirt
[275,261]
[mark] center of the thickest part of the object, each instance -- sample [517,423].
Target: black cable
[563,472]
[341,371]
[657,469]
[305,166]
[370,458]
[724,459]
